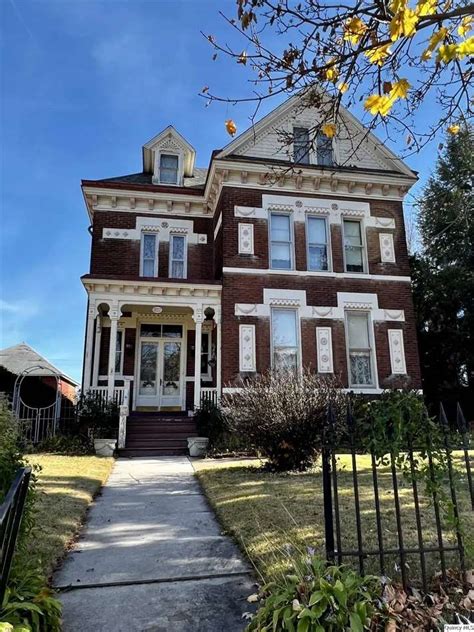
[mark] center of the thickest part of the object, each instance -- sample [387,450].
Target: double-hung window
[317,236]
[281,242]
[360,350]
[301,145]
[353,246]
[119,352]
[177,257]
[169,169]
[324,153]
[285,340]
[149,255]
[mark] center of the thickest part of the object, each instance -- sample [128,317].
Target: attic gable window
[324,151]
[169,165]
[301,145]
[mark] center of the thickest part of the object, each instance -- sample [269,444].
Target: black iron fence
[11,513]
[406,514]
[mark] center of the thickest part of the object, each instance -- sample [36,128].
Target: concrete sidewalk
[152,557]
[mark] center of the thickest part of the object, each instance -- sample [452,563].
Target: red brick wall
[121,257]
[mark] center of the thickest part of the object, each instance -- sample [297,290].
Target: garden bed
[266,512]
[66,487]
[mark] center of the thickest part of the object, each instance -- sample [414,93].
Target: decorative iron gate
[36,423]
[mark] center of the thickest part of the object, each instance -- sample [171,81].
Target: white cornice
[304,273]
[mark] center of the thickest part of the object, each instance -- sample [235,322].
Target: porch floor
[158,434]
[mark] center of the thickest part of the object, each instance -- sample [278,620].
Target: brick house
[277,255]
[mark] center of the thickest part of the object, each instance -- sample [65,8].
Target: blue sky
[84,85]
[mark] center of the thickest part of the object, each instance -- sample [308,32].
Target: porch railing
[100,393]
[209,395]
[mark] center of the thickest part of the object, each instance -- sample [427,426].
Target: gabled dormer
[169,158]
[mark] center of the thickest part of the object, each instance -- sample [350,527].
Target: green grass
[265,511]
[66,487]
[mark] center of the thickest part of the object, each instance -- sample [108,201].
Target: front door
[160,383]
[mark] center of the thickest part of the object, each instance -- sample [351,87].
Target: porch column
[217,318]
[95,367]
[198,318]
[114,315]
[86,378]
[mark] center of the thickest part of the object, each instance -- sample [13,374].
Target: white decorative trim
[250,211]
[247,356]
[324,349]
[218,225]
[246,239]
[384,222]
[387,249]
[397,351]
[164,227]
[394,314]
[282,298]
[356,300]
[304,273]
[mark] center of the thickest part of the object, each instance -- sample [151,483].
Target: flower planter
[105,447]
[198,446]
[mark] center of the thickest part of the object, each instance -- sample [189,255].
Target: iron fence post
[327,495]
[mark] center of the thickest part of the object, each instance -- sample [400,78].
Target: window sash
[285,352]
[119,353]
[324,150]
[354,249]
[149,255]
[169,166]
[206,351]
[360,351]
[301,145]
[177,259]
[318,250]
[282,247]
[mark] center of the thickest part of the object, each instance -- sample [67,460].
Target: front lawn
[266,512]
[67,485]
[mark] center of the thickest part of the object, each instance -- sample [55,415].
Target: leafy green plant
[66,444]
[28,604]
[316,597]
[283,416]
[100,418]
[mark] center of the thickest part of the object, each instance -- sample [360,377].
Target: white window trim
[365,261]
[207,377]
[155,275]
[299,363]
[328,241]
[179,179]
[170,256]
[373,351]
[292,240]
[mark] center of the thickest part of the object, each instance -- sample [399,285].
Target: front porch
[156,354]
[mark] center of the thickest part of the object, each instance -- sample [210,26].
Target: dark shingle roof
[20,357]
[197,180]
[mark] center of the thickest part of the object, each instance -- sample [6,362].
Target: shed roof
[20,357]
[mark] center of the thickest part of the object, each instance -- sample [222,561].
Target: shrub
[283,416]
[66,444]
[317,597]
[211,422]
[99,418]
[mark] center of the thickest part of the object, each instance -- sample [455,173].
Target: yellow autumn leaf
[403,23]
[329,130]
[400,89]
[447,52]
[379,54]
[354,29]
[343,87]
[465,26]
[433,42]
[231,127]
[378,104]
[454,129]
[465,48]
[426,7]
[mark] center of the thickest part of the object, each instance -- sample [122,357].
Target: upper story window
[353,246]
[281,242]
[177,257]
[169,165]
[324,152]
[149,255]
[285,340]
[360,349]
[301,145]
[317,237]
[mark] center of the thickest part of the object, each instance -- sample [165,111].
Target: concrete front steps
[158,434]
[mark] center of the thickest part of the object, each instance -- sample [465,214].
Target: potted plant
[102,421]
[209,424]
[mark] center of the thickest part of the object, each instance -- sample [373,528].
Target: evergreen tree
[443,276]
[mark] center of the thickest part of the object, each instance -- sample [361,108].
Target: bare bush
[284,416]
